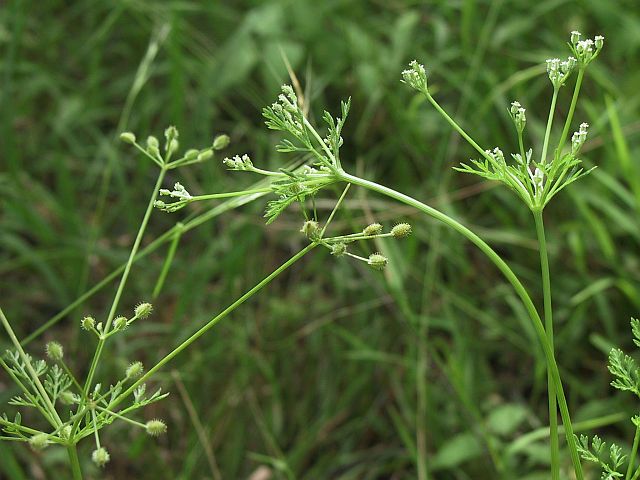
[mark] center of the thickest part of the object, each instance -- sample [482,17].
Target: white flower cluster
[586,50]
[559,70]
[578,138]
[416,76]
[518,116]
[238,162]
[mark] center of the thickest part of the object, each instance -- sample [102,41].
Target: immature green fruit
[67,398]
[128,137]
[221,141]
[143,310]
[156,427]
[54,351]
[377,261]
[373,229]
[120,323]
[338,249]
[88,323]
[191,154]
[100,456]
[39,441]
[401,230]
[134,370]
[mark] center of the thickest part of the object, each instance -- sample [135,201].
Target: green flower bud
[100,456]
[377,261]
[156,427]
[221,141]
[152,142]
[206,155]
[191,154]
[128,137]
[373,229]
[54,351]
[67,398]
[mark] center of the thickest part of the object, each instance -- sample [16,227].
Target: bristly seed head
[120,323]
[54,351]
[373,229]
[134,370]
[377,261]
[100,456]
[156,427]
[338,249]
[88,323]
[143,310]
[401,230]
[311,229]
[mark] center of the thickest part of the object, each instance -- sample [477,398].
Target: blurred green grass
[331,372]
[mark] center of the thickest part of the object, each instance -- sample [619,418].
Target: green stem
[455,126]
[211,323]
[547,133]
[548,324]
[76,471]
[515,282]
[213,196]
[634,452]
[169,260]
[572,109]
[123,282]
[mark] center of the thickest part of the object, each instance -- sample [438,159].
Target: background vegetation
[336,371]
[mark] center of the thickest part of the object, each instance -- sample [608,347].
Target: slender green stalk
[76,471]
[34,377]
[173,246]
[548,324]
[515,282]
[213,196]
[634,452]
[123,280]
[572,109]
[547,133]
[335,209]
[211,323]
[455,126]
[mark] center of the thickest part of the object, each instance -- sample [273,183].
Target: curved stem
[548,324]
[515,282]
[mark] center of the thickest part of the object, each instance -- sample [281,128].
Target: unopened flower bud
[128,137]
[221,141]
